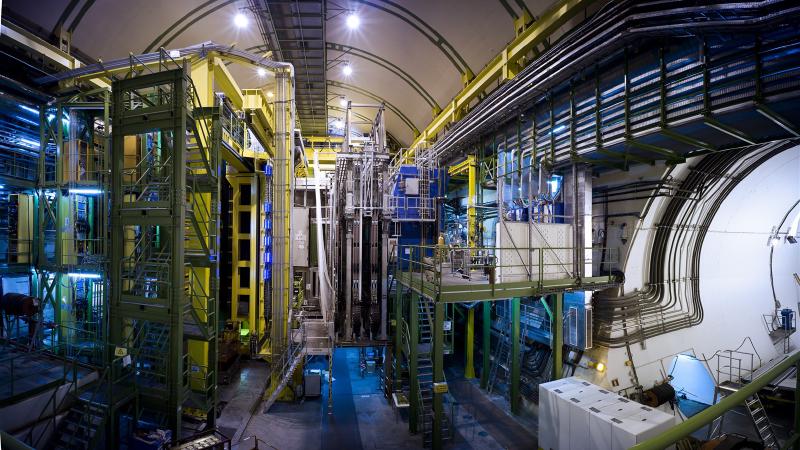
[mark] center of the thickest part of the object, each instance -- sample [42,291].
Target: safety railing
[16,251]
[441,265]
[729,402]
[47,416]
[19,166]
[81,251]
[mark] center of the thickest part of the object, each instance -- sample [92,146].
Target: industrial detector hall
[399,224]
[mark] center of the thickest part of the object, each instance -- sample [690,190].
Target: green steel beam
[729,130]
[515,356]
[674,135]
[546,308]
[398,329]
[460,293]
[413,325]
[708,415]
[438,374]
[486,343]
[625,156]
[670,154]
[557,332]
[779,120]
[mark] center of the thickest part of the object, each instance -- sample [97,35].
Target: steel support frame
[438,374]
[52,204]
[557,333]
[187,305]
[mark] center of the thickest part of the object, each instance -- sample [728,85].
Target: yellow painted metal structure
[504,66]
[469,166]
[247,285]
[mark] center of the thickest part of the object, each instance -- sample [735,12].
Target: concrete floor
[361,416]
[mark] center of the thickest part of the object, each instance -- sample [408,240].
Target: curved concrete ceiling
[409,53]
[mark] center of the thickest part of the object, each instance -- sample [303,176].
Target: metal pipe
[348,283]
[322,264]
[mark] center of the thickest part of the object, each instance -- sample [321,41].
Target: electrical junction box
[312,384]
[300,237]
[412,186]
[440,388]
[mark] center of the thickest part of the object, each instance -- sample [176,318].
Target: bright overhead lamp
[85,276]
[29,109]
[261,72]
[347,70]
[85,191]
[240,20]
[270,94]
[342,101]
[338,123]
[353,21]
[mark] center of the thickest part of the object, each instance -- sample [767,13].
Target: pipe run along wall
[734,276]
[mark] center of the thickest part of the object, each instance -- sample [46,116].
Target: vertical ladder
[756,410]
[425,375]
[761,421]
[502,354]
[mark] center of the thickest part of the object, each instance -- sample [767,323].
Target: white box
[580,415]
[549,423]
[602,420]
[640,427]
[565,404]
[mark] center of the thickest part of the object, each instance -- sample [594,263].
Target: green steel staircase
[425,373]
[83,426]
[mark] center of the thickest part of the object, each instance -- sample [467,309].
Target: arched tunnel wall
[734,284]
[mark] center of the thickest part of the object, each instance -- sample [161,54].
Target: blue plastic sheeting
[691,379]
[535,320]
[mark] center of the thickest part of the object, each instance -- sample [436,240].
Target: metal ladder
[425,375]
[757,413]
[761,421]
[502,354]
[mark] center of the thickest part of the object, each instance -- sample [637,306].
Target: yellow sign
[120,351]
[440,388]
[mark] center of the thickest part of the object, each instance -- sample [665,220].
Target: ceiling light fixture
[270,94]
[347,70]
[342,101]
[261,72]
[240,20]
[353,21]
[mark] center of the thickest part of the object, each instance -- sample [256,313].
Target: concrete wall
[734,277]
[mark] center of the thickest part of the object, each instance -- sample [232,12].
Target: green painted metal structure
[708,415]
[164,261]
[420,282]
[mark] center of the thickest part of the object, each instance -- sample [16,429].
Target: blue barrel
[786,318]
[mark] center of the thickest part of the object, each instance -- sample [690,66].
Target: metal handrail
[708,415]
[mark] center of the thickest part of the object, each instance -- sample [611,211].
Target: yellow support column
[25,228]
[472,192]
[472,235]
[469,369]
